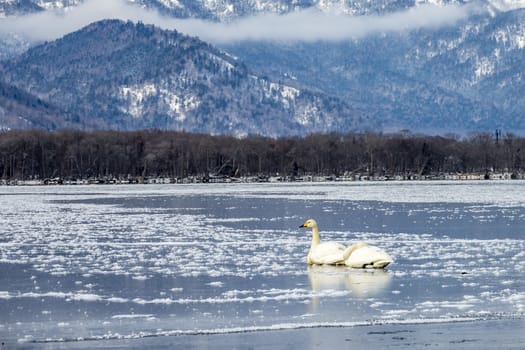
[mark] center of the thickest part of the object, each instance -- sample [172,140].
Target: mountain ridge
[130,76]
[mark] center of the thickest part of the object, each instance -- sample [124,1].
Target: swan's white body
[327,253]
[358,255]
[363,255]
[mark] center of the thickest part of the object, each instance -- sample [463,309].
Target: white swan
[358,255]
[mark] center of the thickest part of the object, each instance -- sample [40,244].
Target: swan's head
[309,223]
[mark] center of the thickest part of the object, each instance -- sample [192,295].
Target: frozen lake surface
[95,263]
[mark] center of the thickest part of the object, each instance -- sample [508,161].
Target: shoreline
[504,333]
[504,177]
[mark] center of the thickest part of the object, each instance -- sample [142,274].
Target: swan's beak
[303,225]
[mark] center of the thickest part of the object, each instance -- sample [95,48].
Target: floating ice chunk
[216,284]
[140,277]
[130,316]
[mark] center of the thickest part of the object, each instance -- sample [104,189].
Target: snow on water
[112,262]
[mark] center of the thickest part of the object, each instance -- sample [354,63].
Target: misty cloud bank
[307,25]
[314,25]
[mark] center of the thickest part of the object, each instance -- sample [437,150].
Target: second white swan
[358,255]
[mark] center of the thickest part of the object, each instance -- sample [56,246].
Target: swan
[358,255]
[328,253]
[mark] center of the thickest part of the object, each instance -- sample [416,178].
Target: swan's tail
[381,264]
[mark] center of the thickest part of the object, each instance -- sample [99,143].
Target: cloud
[314,25]
[305,25]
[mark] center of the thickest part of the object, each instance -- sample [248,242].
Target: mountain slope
[20,110]
[395,99]
[464,78]
[129,76]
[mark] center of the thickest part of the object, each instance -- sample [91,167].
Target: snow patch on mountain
[280,93]
[170,4]
[484,67]
[512,39]
[136,99]
[55,5]
[508,5]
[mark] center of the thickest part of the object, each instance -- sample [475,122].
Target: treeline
[72,154]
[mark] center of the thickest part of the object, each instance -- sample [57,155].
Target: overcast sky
[306,25]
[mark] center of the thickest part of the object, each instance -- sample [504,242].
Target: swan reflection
[360,283]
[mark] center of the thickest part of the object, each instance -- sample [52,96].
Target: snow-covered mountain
[228,10]
[128,76]
[464,76]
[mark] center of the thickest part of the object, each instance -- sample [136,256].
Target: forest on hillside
[72,154]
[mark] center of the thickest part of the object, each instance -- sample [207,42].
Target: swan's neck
[348,251]
[315,236]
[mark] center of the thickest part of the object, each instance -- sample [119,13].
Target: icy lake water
[90,263]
